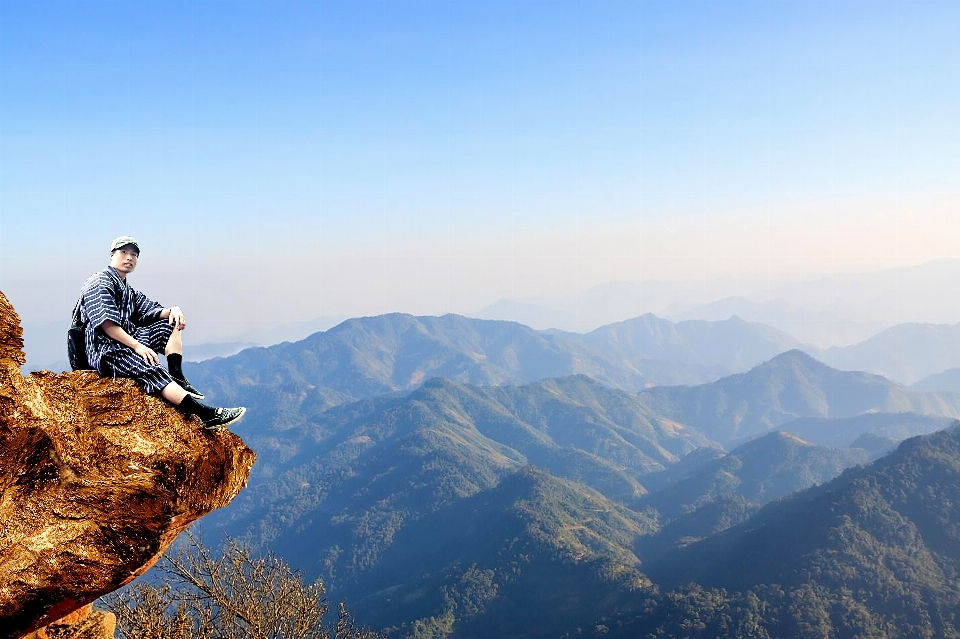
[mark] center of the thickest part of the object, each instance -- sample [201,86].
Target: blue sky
[296,159]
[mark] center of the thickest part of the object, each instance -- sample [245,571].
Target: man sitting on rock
[126,330]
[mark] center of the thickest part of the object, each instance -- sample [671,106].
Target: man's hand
[147,353]
[176,319]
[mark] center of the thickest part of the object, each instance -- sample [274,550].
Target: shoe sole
[243,411]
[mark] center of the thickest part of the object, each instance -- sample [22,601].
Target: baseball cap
[123,240]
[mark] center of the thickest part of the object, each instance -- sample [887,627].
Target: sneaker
[187,386]
[223,418]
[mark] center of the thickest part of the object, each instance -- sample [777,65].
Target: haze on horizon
[284,161]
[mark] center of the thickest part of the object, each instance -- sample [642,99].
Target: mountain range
[445,441]
[790,386]
[465,510]
[366,357]
[636,353]
[436,476]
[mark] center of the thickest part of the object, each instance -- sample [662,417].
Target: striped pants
[123,361]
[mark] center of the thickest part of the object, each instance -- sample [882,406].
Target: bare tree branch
[234,595]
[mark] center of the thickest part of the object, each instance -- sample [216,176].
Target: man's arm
[115,331]
[174,317]
[148,311]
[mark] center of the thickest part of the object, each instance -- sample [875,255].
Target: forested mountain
[535,556]
[537,509]
[470,512]
[789,386]
[336,491]
[371,356]
[759,471]
[725,491]
[873,553]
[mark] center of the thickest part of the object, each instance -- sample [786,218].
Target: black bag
[76,342]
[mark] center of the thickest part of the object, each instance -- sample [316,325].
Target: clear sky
[291,160]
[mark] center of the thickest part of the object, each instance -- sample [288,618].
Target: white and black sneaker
[187,386]
[223,417]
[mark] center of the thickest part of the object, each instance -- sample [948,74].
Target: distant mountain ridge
[843,432]
[827,310]
[906,353]
[789,386]
[371,356]
[821,328]
[945,381]
[733,344]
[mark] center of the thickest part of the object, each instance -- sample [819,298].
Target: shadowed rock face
[96,481]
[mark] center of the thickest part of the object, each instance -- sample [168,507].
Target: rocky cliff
[96,481]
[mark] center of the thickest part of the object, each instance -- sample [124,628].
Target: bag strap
[77,320]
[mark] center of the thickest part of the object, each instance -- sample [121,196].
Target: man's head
[124,252]
[122,241]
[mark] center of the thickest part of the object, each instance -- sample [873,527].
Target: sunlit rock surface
[96,481]
[85,623]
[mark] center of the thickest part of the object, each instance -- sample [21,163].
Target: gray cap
[123,240]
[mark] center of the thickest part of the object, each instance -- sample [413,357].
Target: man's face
[124,259]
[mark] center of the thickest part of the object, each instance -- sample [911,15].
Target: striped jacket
[100,297]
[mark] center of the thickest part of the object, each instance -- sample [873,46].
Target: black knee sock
[175,365]
[190,406]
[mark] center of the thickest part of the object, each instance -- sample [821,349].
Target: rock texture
[96,481]
[85,623]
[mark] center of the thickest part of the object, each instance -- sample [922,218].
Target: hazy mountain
[617,301]
[944,381]
[730,345]
[531,314]
[905,353]
[889,296]
[873,553]
[825,310]
[876,445]
[820,328]
[370,356]
[789,386]
[845,431]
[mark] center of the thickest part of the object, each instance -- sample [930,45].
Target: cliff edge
[96,481]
